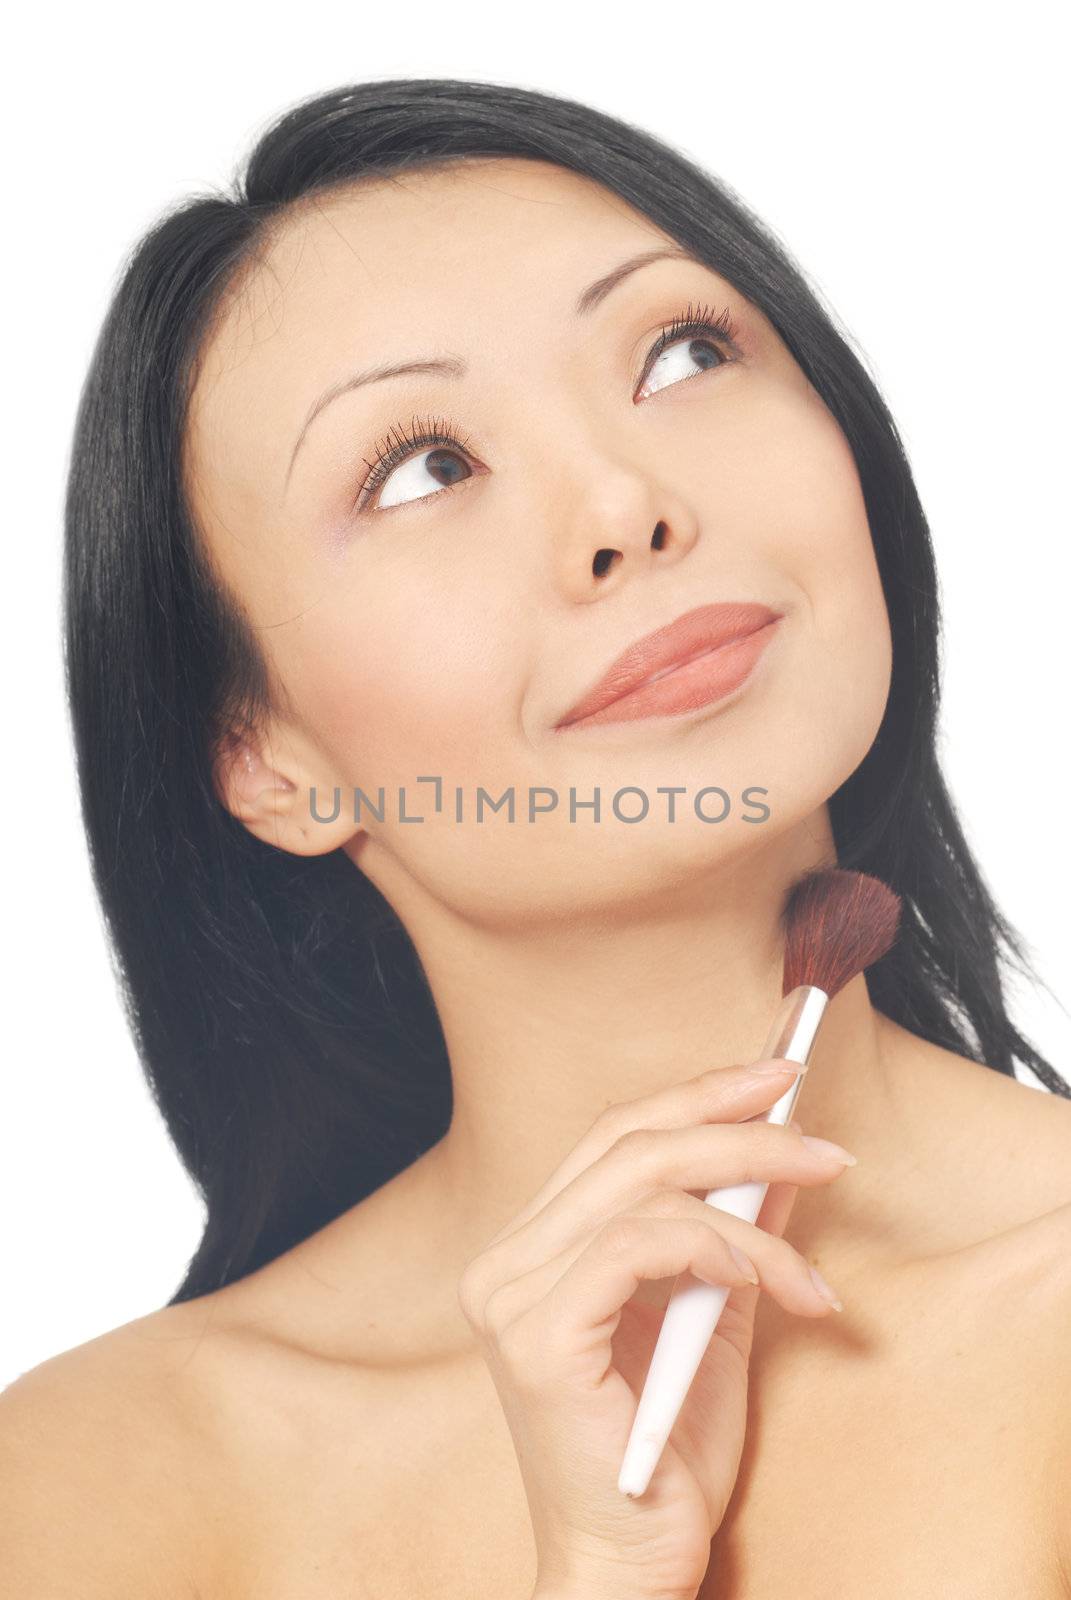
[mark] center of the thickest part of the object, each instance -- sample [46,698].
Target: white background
[910,156]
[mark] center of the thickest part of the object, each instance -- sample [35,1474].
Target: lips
[695,634]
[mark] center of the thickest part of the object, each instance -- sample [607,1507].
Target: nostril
[603,560]
[659,540]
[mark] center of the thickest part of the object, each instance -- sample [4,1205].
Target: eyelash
[427,431]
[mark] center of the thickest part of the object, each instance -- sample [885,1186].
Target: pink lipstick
[698,659]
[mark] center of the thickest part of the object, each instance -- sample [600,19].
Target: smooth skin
[330,1421]
[551,1299]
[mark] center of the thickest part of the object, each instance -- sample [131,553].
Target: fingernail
[824,1289]
[746,1266]
[826,1147]
[765,1069]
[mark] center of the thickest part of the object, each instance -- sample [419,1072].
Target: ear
[267,789]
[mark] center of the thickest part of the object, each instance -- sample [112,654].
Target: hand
[568,1342]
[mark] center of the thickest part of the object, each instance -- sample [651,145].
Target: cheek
[395,681]
[828,551]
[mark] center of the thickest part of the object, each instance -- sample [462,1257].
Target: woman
[453,1078]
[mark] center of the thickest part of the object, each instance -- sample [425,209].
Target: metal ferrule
[791,1037]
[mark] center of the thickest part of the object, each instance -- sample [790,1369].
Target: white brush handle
[694,1307]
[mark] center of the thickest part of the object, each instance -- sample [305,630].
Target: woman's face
[440,621]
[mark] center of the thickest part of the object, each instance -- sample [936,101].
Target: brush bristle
[837,924]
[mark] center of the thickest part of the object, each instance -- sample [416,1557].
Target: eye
[400,463]
[694,336]
[432,448]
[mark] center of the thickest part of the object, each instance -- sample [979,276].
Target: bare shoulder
[1013,1139]
[1003,1150]
[1028,1130]
[96,1450]
[1031,1132]
[993,1155]
[1060,1378]
[1038,1129]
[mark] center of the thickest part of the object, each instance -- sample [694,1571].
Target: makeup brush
[836,924]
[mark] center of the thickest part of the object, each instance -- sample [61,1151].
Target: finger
[778,1201]
[693,1158]
[721,1094]
[567,1332]
[780,1269]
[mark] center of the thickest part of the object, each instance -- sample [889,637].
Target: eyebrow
[454,366]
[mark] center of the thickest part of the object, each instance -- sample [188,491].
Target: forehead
[391,242]
[416,227]
[366,268]
[381,270]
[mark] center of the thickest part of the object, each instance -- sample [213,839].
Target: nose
[613,542]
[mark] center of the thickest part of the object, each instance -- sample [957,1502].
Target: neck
[546,1029]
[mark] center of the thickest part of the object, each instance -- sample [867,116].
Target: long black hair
[278,1006]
